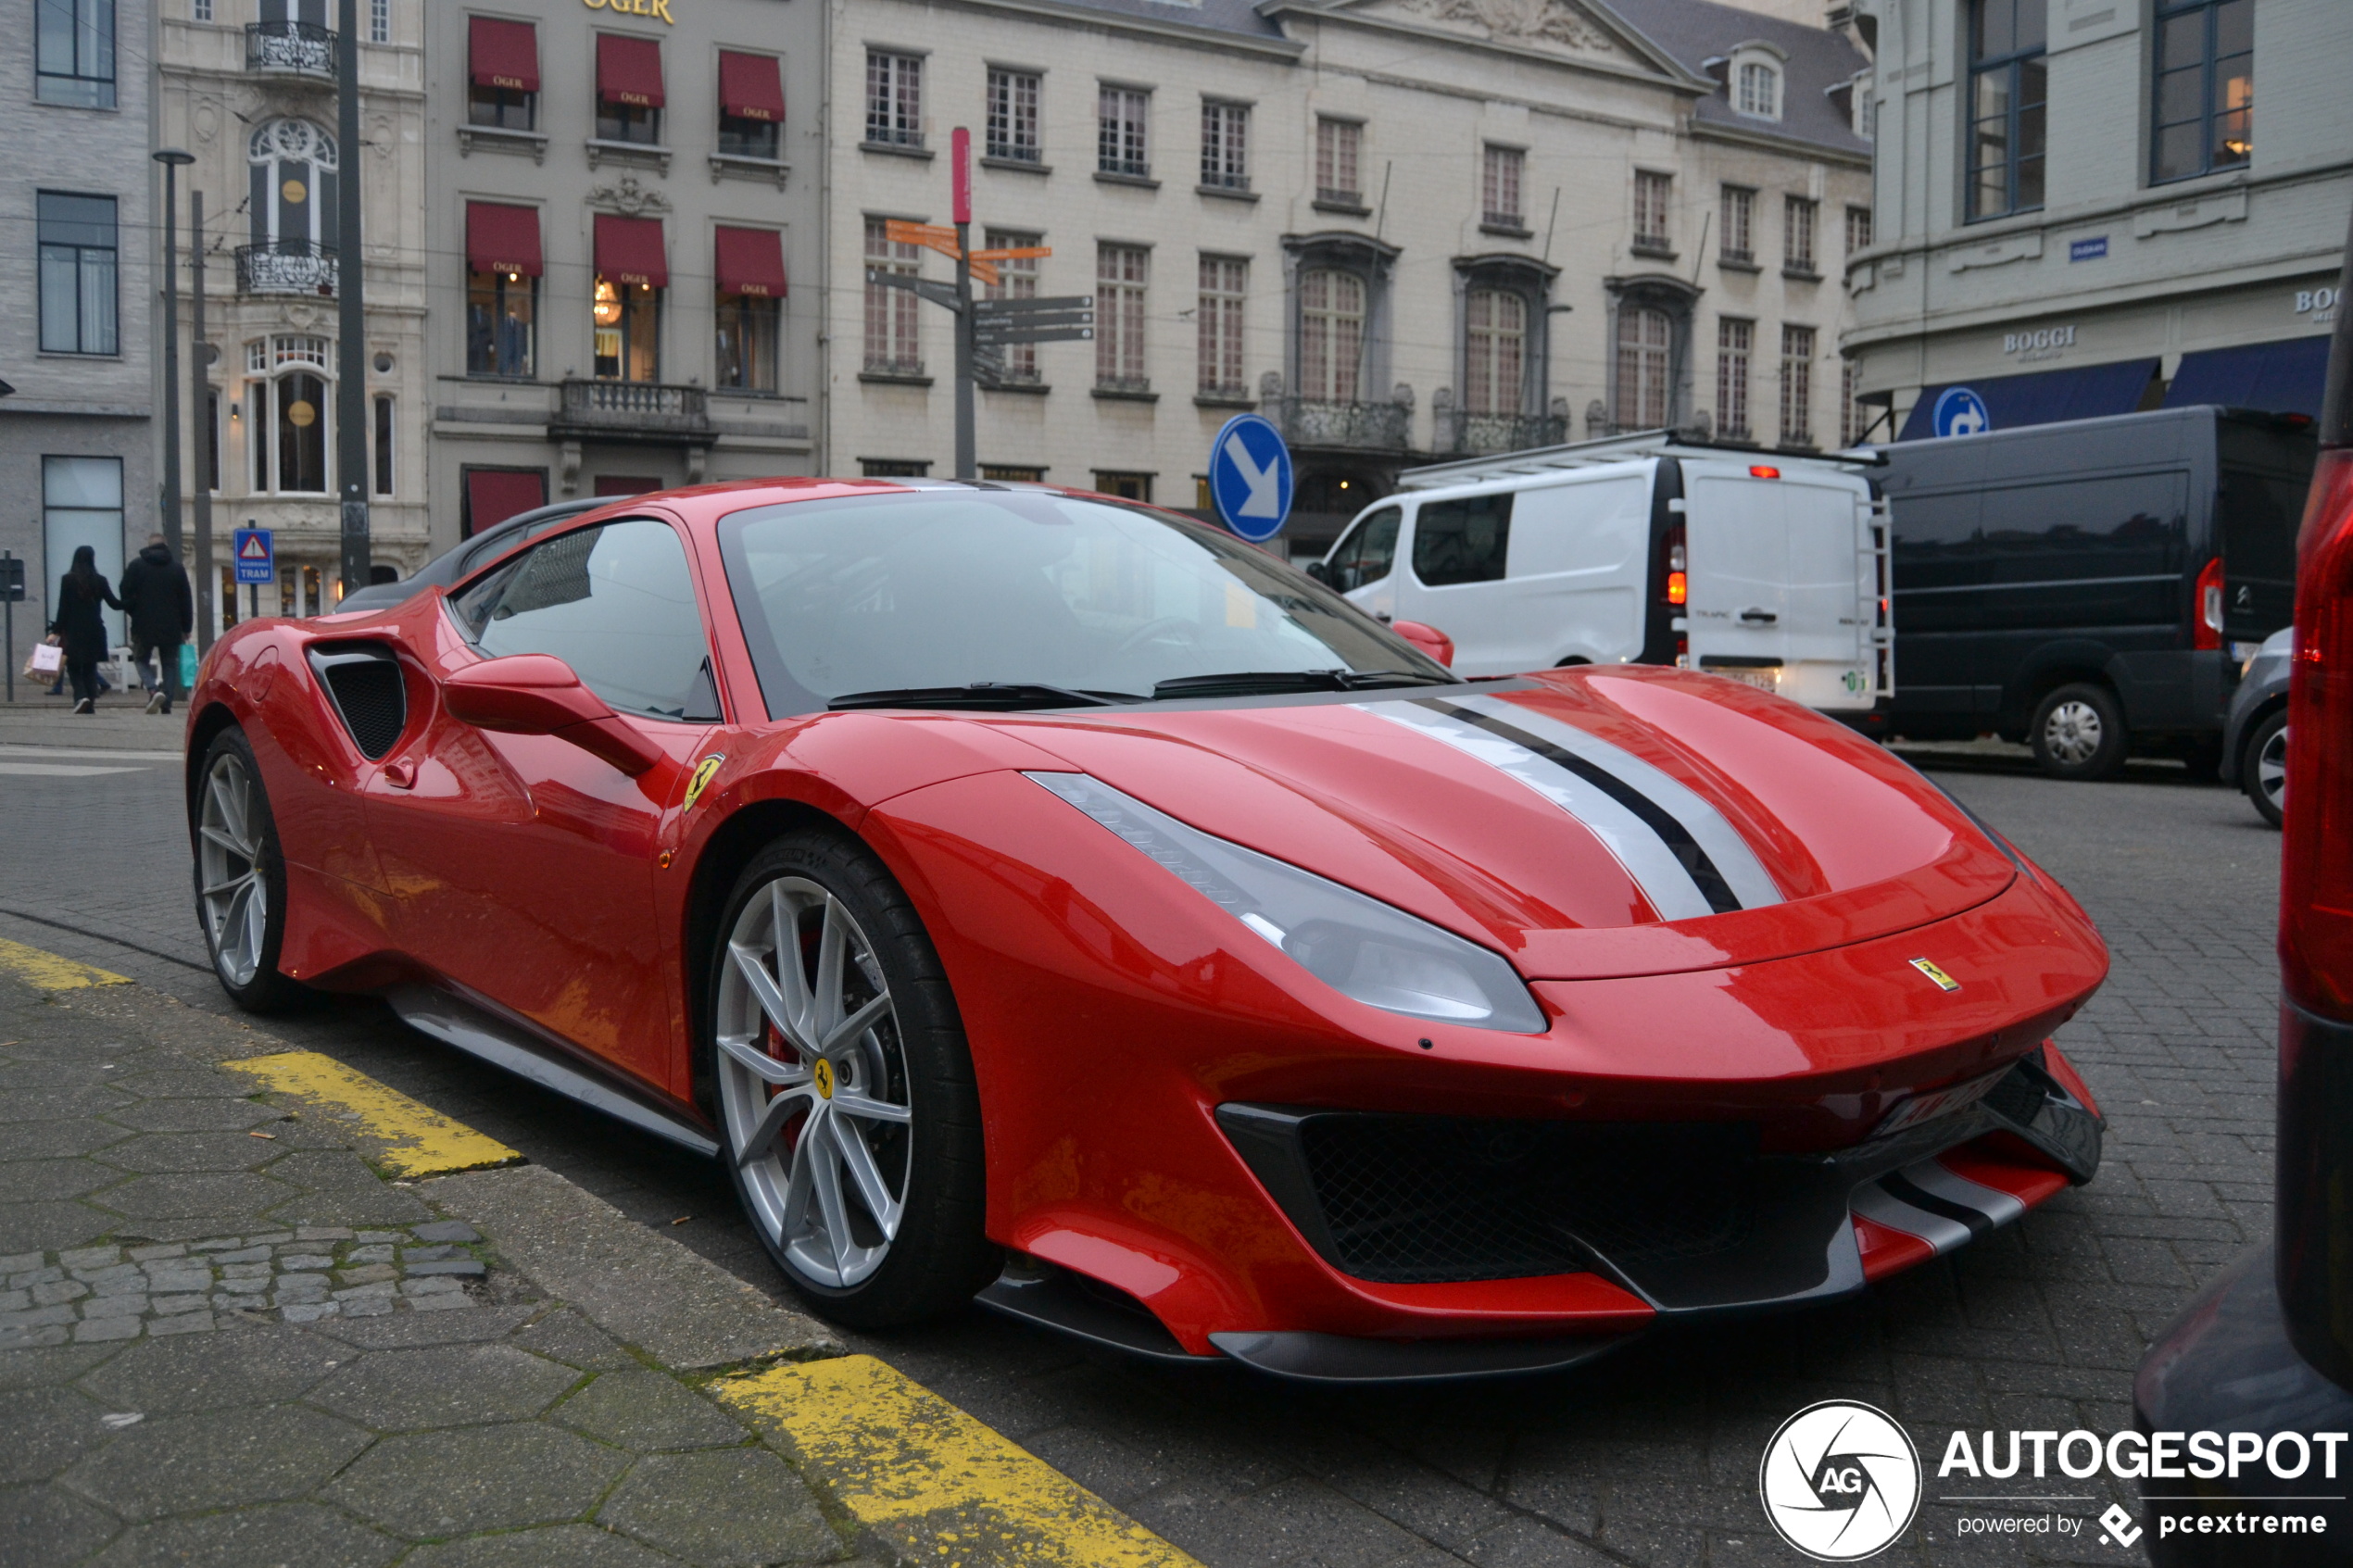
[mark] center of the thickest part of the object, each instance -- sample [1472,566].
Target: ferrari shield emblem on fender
[703,771]
[1927,966]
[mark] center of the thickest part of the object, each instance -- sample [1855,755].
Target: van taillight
[1760,471]
[2207,631]
[1678,582]
[2316,887]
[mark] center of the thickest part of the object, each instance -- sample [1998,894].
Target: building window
[1016,279]
[1121,273]
[2205,89]
[1012,115]
[1119,142]
[1645,336]
[383,453]
[891,313]
[1225,282]
[1331,335]
[82,504]
[298,416]
[1760,90]
[1339,144]
[1735,342]
[1224,145]
[1797,235]
[625,330]
[293,167]
[1013,473]
[629,90]
[503,66]
[747,342]
[73,52]
[1496,351]
[1858,230]
[1798,386]
[502,316]
[894,99]
[1652,195]
[894,468]
[1499,188]
[212,440]
[78,313]
[1851,419]
[199,10]
[2007,90]
[1739,242]
[379,21]
[751,106]
[1126,487]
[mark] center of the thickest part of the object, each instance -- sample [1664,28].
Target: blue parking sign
[256,556]
[1251,478]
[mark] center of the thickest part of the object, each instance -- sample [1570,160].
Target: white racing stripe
[1928,1201]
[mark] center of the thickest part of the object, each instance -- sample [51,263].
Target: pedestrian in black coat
[77,627]
[163,611]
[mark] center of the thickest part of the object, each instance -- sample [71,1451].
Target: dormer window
[1754,81]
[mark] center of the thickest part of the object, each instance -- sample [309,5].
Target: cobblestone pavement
[1649,1458]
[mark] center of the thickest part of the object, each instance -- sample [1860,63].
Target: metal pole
[209,431]
[959,175]
[171,162]
[351,372]
[9,600]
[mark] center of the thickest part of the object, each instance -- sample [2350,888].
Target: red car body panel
[1110,1010]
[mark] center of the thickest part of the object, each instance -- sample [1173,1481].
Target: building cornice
[1767,141]
[1285,50]
[1662,73]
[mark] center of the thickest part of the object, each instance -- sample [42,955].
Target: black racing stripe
[1673,834]
[1898,1187]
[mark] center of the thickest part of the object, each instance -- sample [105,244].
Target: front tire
[849,1117]
[2079,732]
[241,878]
[2263,768]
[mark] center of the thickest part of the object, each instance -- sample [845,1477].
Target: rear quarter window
[1462,540]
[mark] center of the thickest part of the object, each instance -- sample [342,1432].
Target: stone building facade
[77,198]
[1403,229]
[2088,207]
[621,243]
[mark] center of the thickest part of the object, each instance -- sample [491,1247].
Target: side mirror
[537,693]
[1429,639]
[1319,572]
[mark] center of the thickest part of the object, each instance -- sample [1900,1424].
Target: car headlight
[1359,946]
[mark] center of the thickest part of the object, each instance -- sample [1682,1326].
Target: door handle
[1762,617]
[400,775]
[1384,617]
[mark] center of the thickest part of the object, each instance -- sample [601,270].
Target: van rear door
[1784,580]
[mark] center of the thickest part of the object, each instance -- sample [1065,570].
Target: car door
[1363,565]
[1455,580]
[523,865]
[1579,564]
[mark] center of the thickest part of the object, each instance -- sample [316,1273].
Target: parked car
[1033,895]
[2080,586]
[452,564]
[1640,550]
[2255,729]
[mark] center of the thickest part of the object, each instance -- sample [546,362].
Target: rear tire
[241,878]
[857,1156]
[2078,732]
[2263,768]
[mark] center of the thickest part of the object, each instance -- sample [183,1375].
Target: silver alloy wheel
[2271,769]
[2073,731]
[234,898]
[812,1082]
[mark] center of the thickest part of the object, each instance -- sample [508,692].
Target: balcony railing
[1468,433]
[297,48]
[1309,423]
[639,407]
[286,267]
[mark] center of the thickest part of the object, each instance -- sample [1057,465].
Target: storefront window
[627,330]
[747,342]
[502,311]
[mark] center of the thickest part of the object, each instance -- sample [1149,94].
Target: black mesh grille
[1429,1198]
[374,700]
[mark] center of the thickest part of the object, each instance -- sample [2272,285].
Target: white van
[1766,567]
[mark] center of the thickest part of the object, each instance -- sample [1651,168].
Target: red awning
[751,86]
[502,239]
[629,250]
[750,261]
[495,495]
[503,54]
[629,70]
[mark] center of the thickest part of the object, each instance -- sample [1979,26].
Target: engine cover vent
[369,694]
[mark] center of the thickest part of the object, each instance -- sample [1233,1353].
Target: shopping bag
[48,659]
[187,665]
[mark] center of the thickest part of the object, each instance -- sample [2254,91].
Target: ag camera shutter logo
[1840,1481]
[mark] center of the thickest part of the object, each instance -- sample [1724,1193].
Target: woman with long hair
[78,626]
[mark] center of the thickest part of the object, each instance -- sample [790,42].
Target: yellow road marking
[47,971]
[417,1140]
[938,1484]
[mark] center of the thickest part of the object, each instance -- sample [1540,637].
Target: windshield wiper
[997,696]
[1242,682]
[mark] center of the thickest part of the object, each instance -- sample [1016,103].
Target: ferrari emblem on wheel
[823,1076]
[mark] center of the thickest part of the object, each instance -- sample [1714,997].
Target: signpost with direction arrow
[1250,477]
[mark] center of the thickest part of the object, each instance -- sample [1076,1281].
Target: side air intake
[369,694]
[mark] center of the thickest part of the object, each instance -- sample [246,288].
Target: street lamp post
[351,377]
[173,161]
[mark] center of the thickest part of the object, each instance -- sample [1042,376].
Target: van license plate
[1763,680]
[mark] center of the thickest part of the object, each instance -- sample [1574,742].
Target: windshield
[899,592]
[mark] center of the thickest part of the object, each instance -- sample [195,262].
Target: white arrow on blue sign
[1960,411]
[1251,478]
[257,560]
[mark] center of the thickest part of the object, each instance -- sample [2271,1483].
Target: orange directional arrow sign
[928,234]
[1020,253]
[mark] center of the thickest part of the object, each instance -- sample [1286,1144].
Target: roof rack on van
[1610,449]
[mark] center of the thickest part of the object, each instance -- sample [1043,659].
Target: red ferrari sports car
[1037,896]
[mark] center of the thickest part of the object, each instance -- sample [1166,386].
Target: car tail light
[2316,892]
[2206,634]
[1758,470]
[1678,566]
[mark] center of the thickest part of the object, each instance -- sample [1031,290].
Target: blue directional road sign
[1960,411]
[1251,478]
[257,559]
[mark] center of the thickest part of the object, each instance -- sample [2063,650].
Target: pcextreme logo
[1840,1481]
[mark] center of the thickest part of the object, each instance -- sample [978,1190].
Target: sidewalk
[227,1338]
